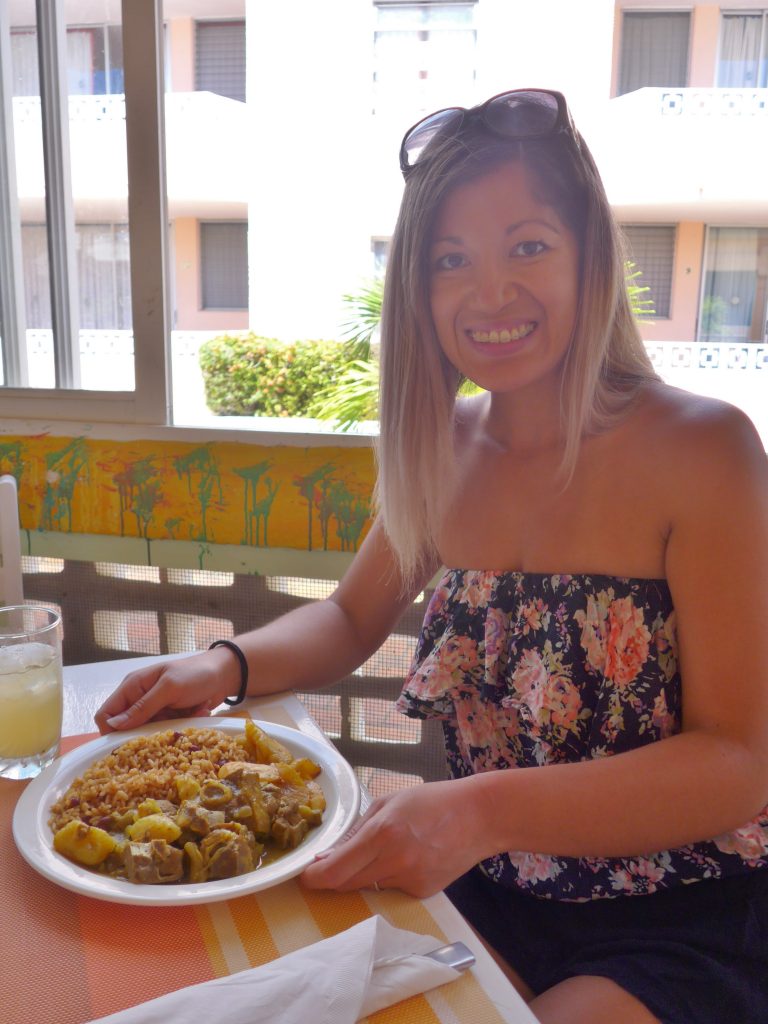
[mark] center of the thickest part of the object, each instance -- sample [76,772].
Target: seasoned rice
[145,768]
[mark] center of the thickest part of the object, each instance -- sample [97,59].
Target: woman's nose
[495,288]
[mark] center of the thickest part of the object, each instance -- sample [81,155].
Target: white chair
[11,589]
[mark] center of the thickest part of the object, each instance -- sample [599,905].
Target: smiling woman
[604,825]
[530,174]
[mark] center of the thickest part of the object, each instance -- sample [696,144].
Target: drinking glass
[30,689]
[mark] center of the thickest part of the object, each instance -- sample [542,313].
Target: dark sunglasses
[517,115]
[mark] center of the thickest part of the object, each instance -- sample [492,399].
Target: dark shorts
[696,954]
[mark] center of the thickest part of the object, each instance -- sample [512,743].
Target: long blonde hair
[605,364]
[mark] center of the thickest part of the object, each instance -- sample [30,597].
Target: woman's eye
[532,248]
[451,261]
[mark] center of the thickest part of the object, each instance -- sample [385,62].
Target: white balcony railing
[735,373]
[714,103]
[203,132]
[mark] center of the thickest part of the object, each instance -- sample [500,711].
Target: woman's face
[504,272]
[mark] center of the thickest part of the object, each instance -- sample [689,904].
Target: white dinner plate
[34,838]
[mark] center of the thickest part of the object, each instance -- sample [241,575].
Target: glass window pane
[740,57]
[24,59]
[424,58]
[37,294]
[735,290]
[209,187]
[654,50]
[91,196]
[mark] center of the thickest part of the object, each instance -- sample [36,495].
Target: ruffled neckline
[522,574]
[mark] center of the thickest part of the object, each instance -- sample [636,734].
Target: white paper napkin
[336,981]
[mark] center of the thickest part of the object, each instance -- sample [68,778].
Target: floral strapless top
[529,669]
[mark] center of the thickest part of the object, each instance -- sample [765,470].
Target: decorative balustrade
[735,372]
[92,108]
[746,103]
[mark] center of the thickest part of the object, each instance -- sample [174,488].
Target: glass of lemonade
[30,689]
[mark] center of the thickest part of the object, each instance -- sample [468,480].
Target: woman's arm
[309,647]
[710,778]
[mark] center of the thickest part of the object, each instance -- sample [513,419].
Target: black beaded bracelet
[232,701]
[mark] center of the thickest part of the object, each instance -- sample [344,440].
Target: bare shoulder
[695,437]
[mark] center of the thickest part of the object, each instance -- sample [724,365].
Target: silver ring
[377,887]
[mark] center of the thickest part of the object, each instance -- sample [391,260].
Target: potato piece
[153,826]
[289,774]
[187,787]
[147,807]
[232,771]
[83,843]
[264,748]
[152,806]
[307,769]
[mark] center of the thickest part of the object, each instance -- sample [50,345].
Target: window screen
[224,265]
[652,250]
[654,50]
[220,58]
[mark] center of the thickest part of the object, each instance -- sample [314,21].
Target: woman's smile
[501,335]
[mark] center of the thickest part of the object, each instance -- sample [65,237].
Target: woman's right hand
[183,688]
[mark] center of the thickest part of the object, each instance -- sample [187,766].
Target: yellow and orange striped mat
[66,959]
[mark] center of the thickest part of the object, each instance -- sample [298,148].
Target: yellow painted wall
[218,493]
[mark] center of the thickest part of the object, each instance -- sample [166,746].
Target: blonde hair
[605,365]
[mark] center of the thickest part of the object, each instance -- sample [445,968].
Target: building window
[94,61]
[380,250]
[103,272]
[654,50]
[224,264]
[424,56]
[743,60]
[734,305]
[220,58]
[652,250]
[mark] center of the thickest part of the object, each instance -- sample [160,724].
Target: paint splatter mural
[218,493]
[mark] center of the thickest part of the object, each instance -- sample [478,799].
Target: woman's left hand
[418,840]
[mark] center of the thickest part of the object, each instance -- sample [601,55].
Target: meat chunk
[226,854]
[153,863]
[193,817]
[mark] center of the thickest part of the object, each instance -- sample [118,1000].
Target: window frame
[149,403]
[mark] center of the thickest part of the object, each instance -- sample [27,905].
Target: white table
[87,686]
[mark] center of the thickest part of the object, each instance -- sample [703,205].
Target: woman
[600,633]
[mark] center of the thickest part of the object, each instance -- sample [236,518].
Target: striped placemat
[66,958]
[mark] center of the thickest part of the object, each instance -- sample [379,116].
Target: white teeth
[504,335]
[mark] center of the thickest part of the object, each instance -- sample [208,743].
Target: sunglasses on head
[516,115]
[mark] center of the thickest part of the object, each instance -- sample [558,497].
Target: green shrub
[248,375]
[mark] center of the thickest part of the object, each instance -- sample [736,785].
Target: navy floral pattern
[529,669]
